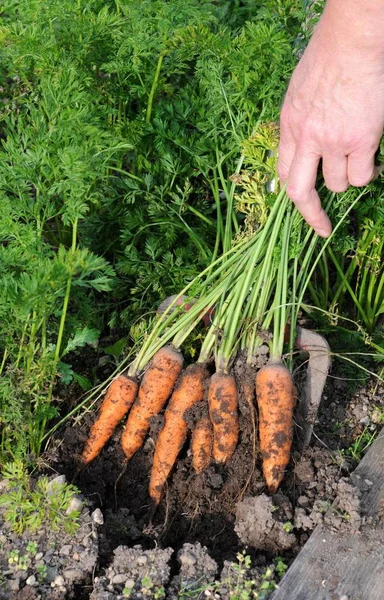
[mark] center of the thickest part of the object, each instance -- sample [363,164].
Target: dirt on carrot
[189,390]
[223,407]
[119,398]
[155,389]
[201,445]
[276,398]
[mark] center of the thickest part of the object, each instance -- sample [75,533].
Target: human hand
[333,111]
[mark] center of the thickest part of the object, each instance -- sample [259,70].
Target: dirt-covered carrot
[276,396]
[189,391]
[222,400]
[201,445]
[155,388]
[120,396]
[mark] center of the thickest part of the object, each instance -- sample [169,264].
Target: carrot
[155,388]
[202,445]
[189,391]
[276,394]
[222,400]
[117,402]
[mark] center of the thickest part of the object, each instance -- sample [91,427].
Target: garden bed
[205,521]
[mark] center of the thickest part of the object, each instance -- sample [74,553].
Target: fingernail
[323,233]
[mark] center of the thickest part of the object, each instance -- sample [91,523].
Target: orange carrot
[276,395]
[202,445]
[117,402]
[222,400]
[155,388]
[189,391]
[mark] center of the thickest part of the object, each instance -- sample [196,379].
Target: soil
[195,536]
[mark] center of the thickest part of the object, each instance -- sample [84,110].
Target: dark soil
[195,508]
[202,508]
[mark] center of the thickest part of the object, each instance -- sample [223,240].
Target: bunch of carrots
[256,287]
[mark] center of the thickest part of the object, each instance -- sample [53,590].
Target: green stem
[44,333]
[200,215]
[220,267]
[155,83]
[348,286]
[229,194]
[308,272]
[63,317]
[3,361]
[280,313]
[21,345]
[266,239]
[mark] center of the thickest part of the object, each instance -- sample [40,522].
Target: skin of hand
[334,107]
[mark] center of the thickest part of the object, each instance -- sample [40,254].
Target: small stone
[85,542]
[76,556]
[368,482]
[119,578]
[55,485]
[216,481]
[51,573]
[97,517]
[58,581]
[31,580]
[343,597]
[130,584]
[303,501]
[14,584]
[142,560]
[39,555]
[377,416]
[187,559]
[73,574]
[75,504]
[48,555]
[65,550]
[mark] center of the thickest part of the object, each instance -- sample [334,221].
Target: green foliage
[29,506]
[348,282]
[121,125]
[241,583]
[361,444]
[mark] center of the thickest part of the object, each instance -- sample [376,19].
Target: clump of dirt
[50,563]
[135,572]
[345,513]
[259,525]
[197,569]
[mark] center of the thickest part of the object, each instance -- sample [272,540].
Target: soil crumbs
[214,534]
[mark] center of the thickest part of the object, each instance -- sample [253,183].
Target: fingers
[287,148]
[335,172]
[362,169]
[301,189]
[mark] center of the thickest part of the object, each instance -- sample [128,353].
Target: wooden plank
[348,564]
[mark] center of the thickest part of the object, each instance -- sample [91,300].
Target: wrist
[354,27]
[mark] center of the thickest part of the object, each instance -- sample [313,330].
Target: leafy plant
[121,126]
[241,583]
[349,279]
[29,506]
